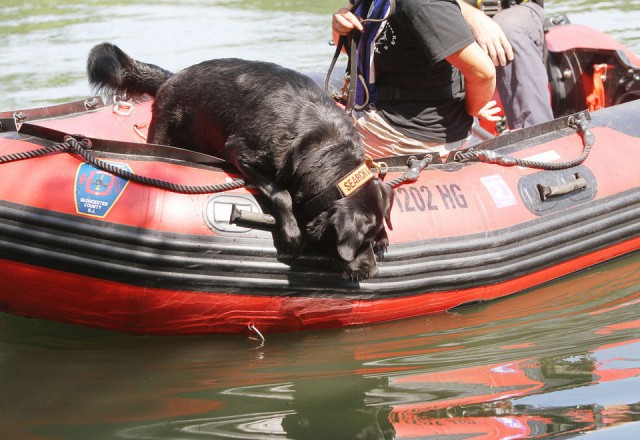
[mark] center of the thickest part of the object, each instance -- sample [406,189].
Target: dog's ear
[335,231]
[351,227]
[342,229]
[385,201]
[349,242]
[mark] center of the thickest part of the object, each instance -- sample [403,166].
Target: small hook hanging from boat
[260,338]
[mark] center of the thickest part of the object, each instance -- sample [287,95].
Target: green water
[44,44]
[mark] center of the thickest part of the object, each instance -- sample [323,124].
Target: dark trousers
[522,83]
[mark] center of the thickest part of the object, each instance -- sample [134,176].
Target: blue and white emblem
[97,191]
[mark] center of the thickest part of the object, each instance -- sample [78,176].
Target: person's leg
[523,83]
[380,139]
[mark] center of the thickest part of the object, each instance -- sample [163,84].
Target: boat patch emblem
[96,191]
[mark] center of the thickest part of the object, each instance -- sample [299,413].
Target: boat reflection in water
[562,359]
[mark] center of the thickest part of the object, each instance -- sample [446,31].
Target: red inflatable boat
[101,229]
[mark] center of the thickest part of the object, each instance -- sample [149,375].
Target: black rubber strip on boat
[250,266]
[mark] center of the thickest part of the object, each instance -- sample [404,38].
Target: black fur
[279,129]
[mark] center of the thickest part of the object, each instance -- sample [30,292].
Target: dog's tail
[113,71]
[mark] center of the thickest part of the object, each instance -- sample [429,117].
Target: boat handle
[239,216]
[565,188]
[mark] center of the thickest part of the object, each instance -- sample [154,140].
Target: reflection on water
[562,359]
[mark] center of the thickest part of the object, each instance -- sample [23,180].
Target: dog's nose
[360,273]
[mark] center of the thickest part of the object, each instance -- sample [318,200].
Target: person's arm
[479,77]
[473,63]
[488,34]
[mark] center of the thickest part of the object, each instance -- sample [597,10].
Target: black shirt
[410,54]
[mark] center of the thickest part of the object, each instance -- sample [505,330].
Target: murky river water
[561,360]
[44,44]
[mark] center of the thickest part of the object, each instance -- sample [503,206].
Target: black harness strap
[352,41]
[351,183]
[319,203]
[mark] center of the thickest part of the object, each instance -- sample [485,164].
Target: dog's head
[352,229]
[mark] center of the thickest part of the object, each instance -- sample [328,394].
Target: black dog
[282,133]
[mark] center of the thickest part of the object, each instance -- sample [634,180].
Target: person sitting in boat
[415,100]
[515,41]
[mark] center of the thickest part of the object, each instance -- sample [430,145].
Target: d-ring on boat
[99,228]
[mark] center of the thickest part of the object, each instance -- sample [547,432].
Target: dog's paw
[352,272]
[360,274]
[287,245]
[292,242]
[363,267]
[380,245]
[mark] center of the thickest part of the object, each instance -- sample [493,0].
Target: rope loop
[415,168]
[82,147]
[579,122]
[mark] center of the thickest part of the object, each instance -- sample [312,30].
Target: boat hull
[79,244]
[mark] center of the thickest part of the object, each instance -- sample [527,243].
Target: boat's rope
[30,154]
[71,144]
[579,122]
[415,168]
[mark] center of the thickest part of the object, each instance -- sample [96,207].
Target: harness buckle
[380,167]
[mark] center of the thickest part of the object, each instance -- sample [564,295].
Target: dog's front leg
[251,160]
[289,237]
[289,232]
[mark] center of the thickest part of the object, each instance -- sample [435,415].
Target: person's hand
[490,112]
[489,35]
[344,22]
